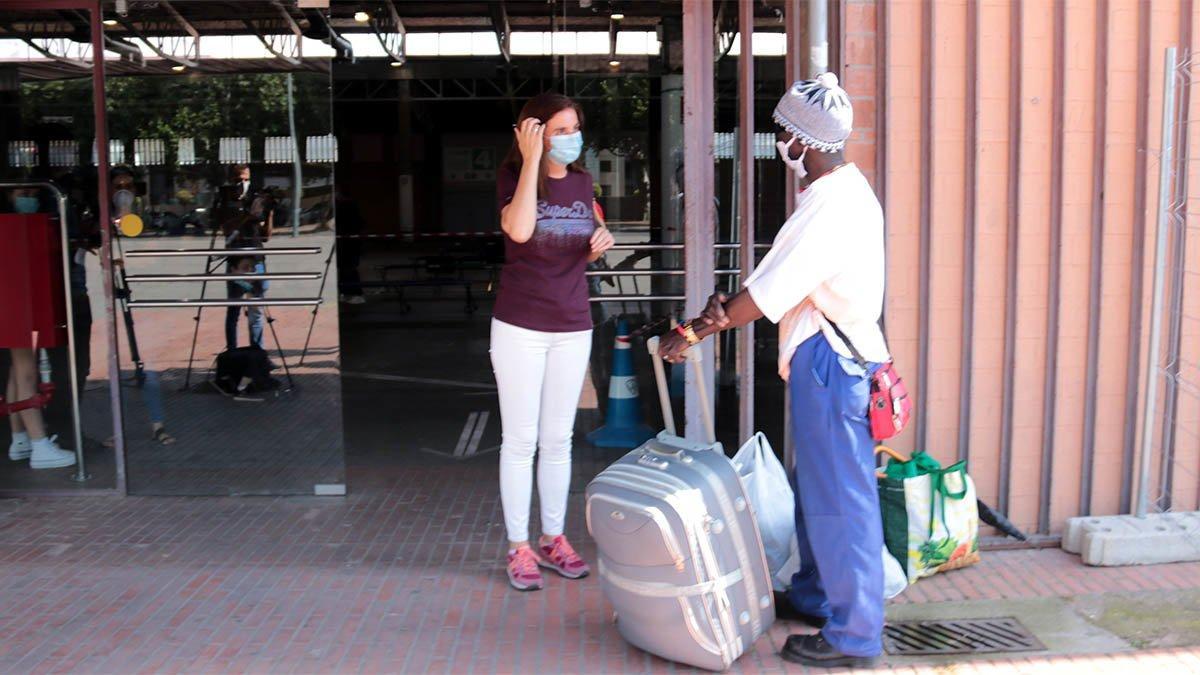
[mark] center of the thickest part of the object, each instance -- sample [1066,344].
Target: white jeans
[539,376]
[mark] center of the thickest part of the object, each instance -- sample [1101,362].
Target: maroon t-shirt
[542,284]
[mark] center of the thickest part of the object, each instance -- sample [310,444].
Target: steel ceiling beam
[285,47]
[47,39]
[181,49]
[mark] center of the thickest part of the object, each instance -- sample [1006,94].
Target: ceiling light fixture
[109,22]
[179,68]
[614,63]
[362,17]
[397,64]
[617,16]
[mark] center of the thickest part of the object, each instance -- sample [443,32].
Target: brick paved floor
[403,575]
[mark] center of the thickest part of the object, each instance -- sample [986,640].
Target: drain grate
[959,636]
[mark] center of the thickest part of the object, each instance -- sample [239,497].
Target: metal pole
[818,36]
[793,67]
[671,154]
[745,336]
[1160,267]
[698,197]
[100,112]
[793,70]
[297,188]
[80,470]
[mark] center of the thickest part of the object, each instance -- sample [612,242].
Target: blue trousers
[838,526]
[254,318]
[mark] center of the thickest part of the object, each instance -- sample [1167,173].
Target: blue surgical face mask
[565,148]
[26,204]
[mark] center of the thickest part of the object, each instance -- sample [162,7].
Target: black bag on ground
[243,370]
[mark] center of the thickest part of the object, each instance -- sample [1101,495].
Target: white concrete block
[1073,536]
[1129,540]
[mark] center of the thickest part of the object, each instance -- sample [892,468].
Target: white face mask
[796,165]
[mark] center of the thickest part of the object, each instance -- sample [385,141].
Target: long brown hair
[543,107]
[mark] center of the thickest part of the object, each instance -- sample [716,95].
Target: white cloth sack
[894,579]
[773,502]
[774,505]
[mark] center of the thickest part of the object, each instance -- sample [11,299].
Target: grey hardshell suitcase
[680,557]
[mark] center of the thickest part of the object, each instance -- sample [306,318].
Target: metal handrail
[218,252]
[229,302]
[61,199]
[268,276]
[636,298]
[653,273]
[634,273]
[679,247]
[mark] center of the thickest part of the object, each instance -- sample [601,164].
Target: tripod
[122,293]
[279,348]
[209,265]
[316,308]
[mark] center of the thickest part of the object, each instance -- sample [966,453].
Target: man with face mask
[822,282]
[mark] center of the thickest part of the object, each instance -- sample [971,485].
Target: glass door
[57,417]
[223,168]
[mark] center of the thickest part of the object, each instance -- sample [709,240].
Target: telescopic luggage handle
[664,397]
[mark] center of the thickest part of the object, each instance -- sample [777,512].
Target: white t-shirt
[827,261]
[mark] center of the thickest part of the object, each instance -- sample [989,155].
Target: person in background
[249,227]
[823,274]
[29,438]
[542,327]
[241,184]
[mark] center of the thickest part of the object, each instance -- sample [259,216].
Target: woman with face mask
[542,327]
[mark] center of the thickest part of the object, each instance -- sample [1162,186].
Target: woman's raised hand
[529,140]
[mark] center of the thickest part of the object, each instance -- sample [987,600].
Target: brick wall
[1025,129]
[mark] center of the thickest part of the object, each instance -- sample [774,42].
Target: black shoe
[784,609]
[813,650]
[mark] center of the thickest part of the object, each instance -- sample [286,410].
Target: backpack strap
[858,357]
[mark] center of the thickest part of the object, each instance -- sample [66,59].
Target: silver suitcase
[680,557]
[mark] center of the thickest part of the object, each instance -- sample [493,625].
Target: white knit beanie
[817,112]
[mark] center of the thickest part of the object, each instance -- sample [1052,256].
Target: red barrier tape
[38,400]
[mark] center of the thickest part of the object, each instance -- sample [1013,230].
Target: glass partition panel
[228,300]
[57,424]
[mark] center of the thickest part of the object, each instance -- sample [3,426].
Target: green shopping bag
[930,515]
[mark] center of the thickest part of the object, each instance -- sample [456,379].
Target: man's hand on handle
[713,319]
[672,346]
[721,313]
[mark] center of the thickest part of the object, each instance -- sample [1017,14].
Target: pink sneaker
[523,571]
[560,557]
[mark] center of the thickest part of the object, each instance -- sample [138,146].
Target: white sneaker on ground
[20,449]
[47,455]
